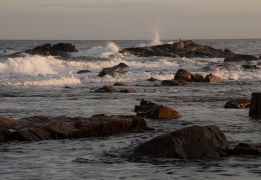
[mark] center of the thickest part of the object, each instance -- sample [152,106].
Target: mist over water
[35,85]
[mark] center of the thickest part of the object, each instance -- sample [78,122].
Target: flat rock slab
[187,143]
[47,128]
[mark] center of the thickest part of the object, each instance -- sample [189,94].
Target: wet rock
[83,71]
[250,67]
[128,91]
[240,57]
[60,49]
[110,73]
[155,111]
[238,103]
[197,78]
[118,84]
[46,128]
[119,66]
[182,74]
[255,107]
[174,83]
[7,122]
[4,134]
[212,78]
[106,89]
[187,143]
[247,149]
[152,79]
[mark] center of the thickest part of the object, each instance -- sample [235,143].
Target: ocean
[32,85]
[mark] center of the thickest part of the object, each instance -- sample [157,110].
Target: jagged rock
[118,84]
[128,91]
[174,83]
[106,89]
[83,71]
[155,111]
[250,67]
[182,74]
[238,103]
[212,78]
[187,143]
[240,57]
[197,78]
[46,127]
[247,149]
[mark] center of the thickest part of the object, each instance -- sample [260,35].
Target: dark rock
[197,78]
[250,67]
[187,143]
[153,79]
[155,111]
[4,134]
[46,128]
[182,74]
[212,78]
[43,50]
[247,149]
[64,47]
[255,107]
[240,57]
[106,89]
[228,52]
[260,57]
[110,73]
[67,87]
[174,83]
[119,66]
[7,122]
[128,91]
[83,71]
[238,103]
[118,84]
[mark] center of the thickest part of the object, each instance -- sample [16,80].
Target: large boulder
[183,74]
[212,78]
[155,111]
[197,78]
[188,143]
[46,128]
[238,103]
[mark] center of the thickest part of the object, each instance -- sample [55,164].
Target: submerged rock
[238,103]
[110,73]
[247,149]
[187,143]
[106,89]
[83,71]
[174,83]
[240,57]
[155,111]
[127,91]
[46,127]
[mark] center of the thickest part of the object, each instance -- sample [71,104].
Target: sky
[129,19]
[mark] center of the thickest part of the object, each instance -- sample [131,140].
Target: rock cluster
[155,111]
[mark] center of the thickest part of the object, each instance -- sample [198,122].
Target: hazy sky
[129,19]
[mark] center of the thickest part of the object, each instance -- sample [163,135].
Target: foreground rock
[60,49]
[155,111]
[187,49]
[238,103]
[247,149]
[46,127]
[187,143]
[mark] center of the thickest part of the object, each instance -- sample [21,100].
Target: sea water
[33,85]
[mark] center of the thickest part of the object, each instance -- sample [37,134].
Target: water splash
[156,40]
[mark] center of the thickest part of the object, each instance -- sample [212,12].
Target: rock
[106,89]
[64,47]
[4,134]
[187,143]
[83,71]
[153,79]
[110,73]
[46,128]
[182,74]
[238,103]
[240,57]
[174,83]
[155,111]
[118,84]
[119,66]
[128,91]
[255,107]
[212,78]
[228,52]
[7,122]
[247,149]
[197,78]
[260,57]
[250,67]
[43,50]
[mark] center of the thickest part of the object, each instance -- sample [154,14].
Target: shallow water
[34,85]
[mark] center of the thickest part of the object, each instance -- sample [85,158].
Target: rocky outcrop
[174,83]
[60,49]
[106,89]
[111,71]
[155,111]
[247,149]
[187,143]
[47,128]
[240,57]
[238,103]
